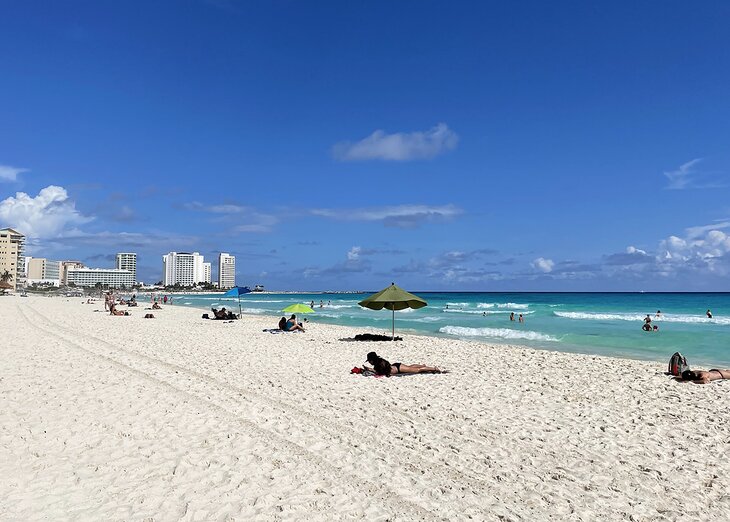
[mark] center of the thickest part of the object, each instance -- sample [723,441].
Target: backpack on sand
[678,364]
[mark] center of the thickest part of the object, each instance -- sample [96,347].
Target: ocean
[593,323]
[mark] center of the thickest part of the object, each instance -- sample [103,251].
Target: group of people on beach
[291,324]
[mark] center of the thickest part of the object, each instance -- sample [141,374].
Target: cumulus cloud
[708,251]
[8,173]
[632,256]
[681,177]
[401,216]
[399,146]
[43,216]
[543,265]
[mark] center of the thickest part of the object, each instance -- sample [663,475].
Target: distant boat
[258,288]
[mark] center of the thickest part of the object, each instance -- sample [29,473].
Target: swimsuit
[397,367]
[722,376]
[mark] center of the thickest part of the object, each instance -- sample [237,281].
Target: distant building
[226,270]
[40,270]
[12,256]
[183,268]
[128,261]
[206,272]
[111,277]
[65,267]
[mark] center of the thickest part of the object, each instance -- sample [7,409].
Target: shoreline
[126,418]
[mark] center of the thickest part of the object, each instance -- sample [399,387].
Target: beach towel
[375,337]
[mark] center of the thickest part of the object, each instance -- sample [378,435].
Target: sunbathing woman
[113,311]
[383,367]
[703,377]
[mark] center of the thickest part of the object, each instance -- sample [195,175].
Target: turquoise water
[596,323]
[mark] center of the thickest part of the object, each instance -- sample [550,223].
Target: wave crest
[501,333]
[665,318]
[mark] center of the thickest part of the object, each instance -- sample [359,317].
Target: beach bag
[678,364]
[205,316]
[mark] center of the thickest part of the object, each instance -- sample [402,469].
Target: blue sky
[342,145]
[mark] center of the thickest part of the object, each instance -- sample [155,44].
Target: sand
[179,418]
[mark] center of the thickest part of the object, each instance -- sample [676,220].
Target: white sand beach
[179,418]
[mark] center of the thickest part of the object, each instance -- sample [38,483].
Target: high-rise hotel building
[186,269]
[12,256]
[226,270]
[128,261]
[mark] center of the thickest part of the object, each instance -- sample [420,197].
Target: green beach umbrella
[298,308]
[393,298]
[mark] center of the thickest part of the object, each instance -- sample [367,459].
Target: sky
[446,146]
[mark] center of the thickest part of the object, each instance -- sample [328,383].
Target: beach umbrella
[298,308]
[4,285]
[393,298]
[236,291]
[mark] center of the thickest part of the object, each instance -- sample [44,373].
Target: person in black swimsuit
[383,367]
[702,377]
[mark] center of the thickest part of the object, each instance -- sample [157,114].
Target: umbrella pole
[393,339]
[239,306]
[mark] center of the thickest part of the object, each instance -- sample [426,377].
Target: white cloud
[43,216]
[403,216]
[681,177]
[8,173]
[634,250]
[354,253]
[543,265]
[216,209]
[399,146]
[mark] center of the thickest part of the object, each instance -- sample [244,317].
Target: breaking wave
[501,333]
[666,318]
[514,306]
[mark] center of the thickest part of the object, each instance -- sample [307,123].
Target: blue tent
[237,291]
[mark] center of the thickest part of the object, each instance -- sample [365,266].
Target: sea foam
[665,318]
[501,333]
[514,306]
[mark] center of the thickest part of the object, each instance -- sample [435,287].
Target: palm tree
[6,276]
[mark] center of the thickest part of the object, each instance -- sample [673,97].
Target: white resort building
[128,261]
[186,269]
[111,277]
[226,270]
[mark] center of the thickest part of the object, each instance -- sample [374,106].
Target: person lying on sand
[703,377]
[113,311]
[383,367]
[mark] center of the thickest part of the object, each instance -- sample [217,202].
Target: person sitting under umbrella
[383,367]
[292,325]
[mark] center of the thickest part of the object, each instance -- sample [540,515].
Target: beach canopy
[393,298]
[237,291]
[5,285]
[298,308]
